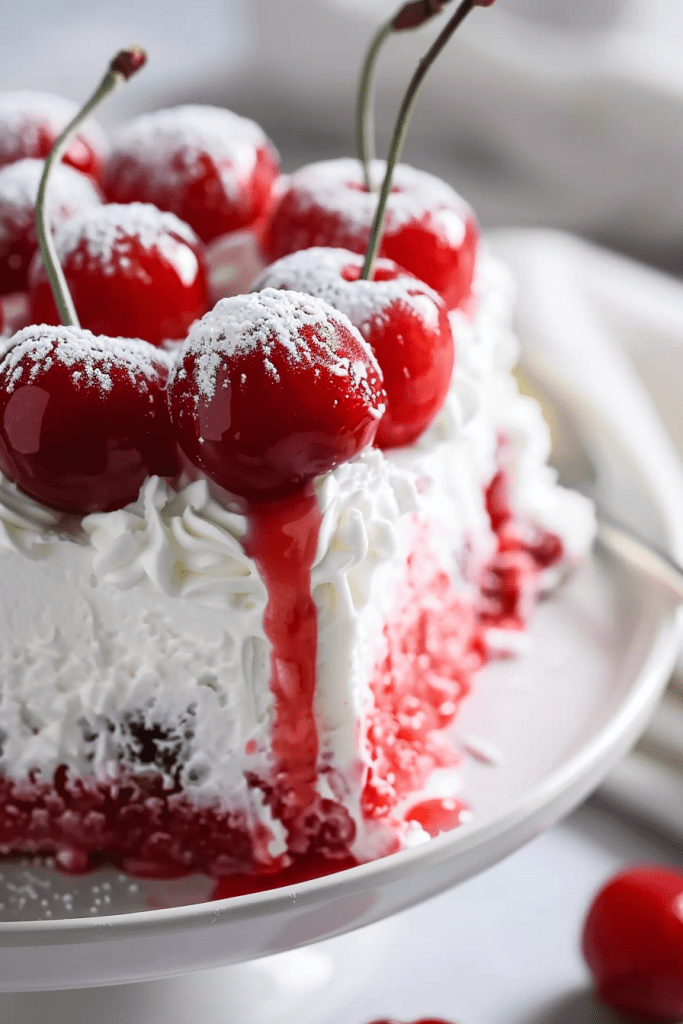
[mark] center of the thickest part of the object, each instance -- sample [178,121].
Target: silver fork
[577,470]
[649,782]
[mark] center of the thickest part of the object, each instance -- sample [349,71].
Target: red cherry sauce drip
[439,815]
[521,556]
[282,541]
[300,871]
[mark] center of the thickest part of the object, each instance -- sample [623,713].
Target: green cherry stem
[121,68]
[365,119]
[411,15]
[401,126]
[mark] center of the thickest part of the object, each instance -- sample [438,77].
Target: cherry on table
[272,389]
[30,123]
[211,167]
[404,321]
[132,271]
[633,941]
[70,193]
[429,229]
[83,419]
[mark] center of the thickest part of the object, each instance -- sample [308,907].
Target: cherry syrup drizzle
[282,541]
[439,814]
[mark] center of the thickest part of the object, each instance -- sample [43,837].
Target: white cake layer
[151,617]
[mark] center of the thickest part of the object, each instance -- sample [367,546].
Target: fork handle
[656,564]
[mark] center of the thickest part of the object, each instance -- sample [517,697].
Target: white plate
[560,716]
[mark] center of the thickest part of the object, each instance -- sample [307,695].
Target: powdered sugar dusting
[103,236]
[22,112]
[170,144]
[416,196]
[318,271]
[69,192]
[91,358]
[299,327]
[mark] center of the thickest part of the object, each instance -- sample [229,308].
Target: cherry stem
[401,126]
[411,15]
[365,120]
[120,69]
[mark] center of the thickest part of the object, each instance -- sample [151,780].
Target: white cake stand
[542,730]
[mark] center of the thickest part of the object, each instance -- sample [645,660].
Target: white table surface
[503,948]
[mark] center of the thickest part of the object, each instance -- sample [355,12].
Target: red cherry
[83,419]
[133,272]
[429,229]
[70,192]
[30,123]
[633,941]
[209,166]
[271,390]
[404,322]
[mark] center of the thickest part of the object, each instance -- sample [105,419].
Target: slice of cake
[196,683]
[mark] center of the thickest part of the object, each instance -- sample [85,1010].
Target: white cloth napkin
[614,330]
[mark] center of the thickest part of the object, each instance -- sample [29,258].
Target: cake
[244,665]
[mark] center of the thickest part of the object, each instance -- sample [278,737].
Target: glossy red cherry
[633,941]
[30,123]
[403,320]
[70,192]
[83,419]
[212,168]
[429,229]
[271,390]
[133,272]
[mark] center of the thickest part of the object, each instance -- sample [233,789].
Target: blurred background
[541,112]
